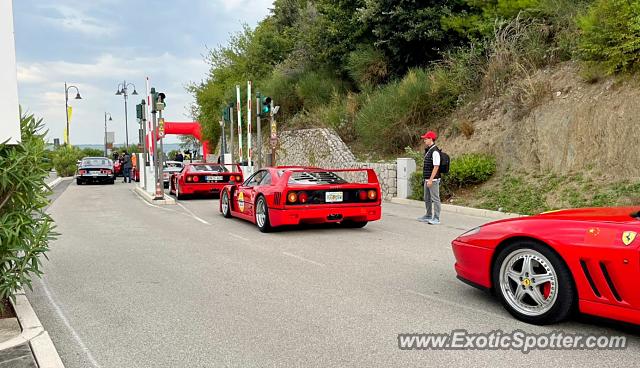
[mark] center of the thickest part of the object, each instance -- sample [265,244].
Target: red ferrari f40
[281,196]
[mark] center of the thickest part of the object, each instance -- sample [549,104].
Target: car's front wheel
[262,215]
[225,204]
[534,284]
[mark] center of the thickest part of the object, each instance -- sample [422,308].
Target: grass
[530,193]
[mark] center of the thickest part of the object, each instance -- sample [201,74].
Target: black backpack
[444,162]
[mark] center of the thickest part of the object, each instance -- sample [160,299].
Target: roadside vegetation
[528,193]
[379,72]
[25,228]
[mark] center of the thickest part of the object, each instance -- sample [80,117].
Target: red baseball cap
[430,134]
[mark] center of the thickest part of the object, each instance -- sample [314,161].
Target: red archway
[187,128]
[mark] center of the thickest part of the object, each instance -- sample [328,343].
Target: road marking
[239,237]
[454,304]
[64,320]
[304,259]
[189,213]
[193,214]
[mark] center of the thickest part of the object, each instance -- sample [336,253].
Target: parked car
[170,168]
[117,168]
[95,170]
[203,178]
[280,196]
[545,267]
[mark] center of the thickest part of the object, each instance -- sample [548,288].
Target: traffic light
[161,101]
[139,112]
[225,114]
[154,100]
[265,109]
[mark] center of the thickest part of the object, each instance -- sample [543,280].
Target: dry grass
[467,128]
[526,94]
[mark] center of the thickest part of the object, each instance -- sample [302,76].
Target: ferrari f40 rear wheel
[225,205]
[262,215]
[534,284]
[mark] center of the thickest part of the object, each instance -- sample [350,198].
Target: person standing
[126,167]
[431,179]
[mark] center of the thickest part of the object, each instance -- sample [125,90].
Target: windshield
[315,178]
[177,165]
[95,162]
[209,167]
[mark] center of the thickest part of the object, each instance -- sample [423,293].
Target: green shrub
[92,152]
[65,160]
[282,88]
[25,228]
[316,89]
[367,66]
[468,169]
[393,116]
[417,185]
[611,35]
[47,160]
[471,168]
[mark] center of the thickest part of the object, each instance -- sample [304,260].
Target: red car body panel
[117,168]
[243,199]
[590,241]
[188,185]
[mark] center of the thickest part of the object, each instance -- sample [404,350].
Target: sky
[95,45]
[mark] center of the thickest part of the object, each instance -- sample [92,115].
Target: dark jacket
[127,162]
[428,163]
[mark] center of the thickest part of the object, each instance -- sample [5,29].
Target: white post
[249,148]
[9,108]
[238,108]
[151,188]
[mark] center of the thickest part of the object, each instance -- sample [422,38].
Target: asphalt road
[128,284]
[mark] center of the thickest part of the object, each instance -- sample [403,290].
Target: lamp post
[123,90]
[66,105]
[105,132]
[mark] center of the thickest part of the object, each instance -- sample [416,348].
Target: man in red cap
[431,179]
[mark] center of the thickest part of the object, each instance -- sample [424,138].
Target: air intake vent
[276,198]
[607,277]
[585,269]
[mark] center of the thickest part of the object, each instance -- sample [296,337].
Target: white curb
[459,209]
[149,198]
[42,347]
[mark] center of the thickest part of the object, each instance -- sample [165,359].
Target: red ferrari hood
[606,214]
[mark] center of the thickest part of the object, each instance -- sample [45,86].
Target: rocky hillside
[574,126]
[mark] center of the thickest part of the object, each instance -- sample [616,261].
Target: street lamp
[105,132]
[123,91]
[66,105]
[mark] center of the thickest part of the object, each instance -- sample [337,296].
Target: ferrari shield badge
[241,202]
[628,237]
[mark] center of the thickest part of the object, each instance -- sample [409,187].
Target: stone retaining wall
[324,148]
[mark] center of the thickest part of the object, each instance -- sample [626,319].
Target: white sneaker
[424,218]
[434,222]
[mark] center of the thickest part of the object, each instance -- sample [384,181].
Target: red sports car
[203,178]
[283,195]
[543,267]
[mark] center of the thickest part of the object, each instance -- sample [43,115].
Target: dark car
[95,170]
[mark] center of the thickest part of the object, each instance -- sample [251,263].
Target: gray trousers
[432,199]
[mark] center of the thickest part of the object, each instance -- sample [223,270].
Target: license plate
[330,197]
[214,178]
[95,172]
